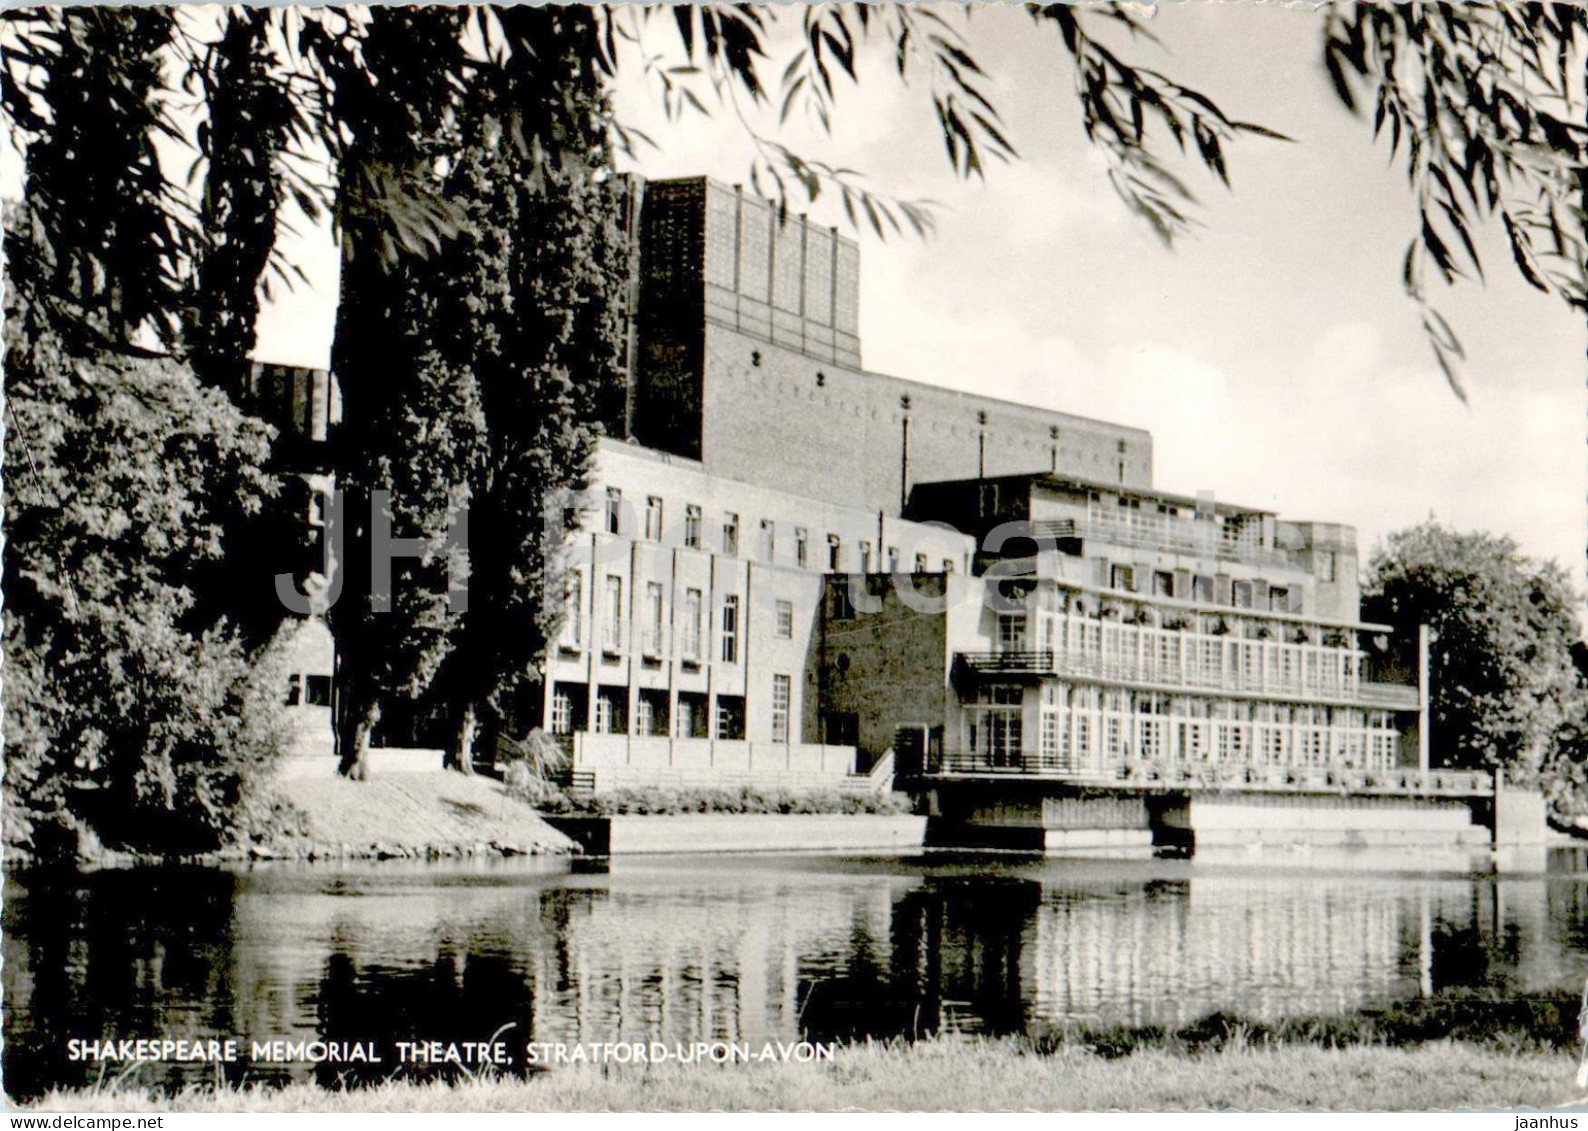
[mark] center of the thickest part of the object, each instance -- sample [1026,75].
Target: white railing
[1147,654]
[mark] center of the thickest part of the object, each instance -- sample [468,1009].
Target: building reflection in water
[772,952]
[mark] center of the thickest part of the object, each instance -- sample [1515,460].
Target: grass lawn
[959,1076]
[417,810]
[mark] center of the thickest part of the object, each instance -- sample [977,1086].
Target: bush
[653,800]
[131,708]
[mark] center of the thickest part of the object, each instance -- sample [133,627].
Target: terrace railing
[1150,774]
[1157,533]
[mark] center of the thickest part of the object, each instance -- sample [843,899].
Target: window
[561,712]
[840,606]
[893,559]
[865,557]
[1279,598]
[614,516]
[693,609]
[780,706]
[920,563]
[785,620]
[573,605]
[802,546]
[692,526]
[1242,595]
[730,717]
[1162,583]
[1202,589]
[730,629]
[835,551]
[653,518]
[317,690]
[1122,577]
[612,705]
[692,715]
[653,619]
[768,540]
[612,636]
[1011,632]
[294,690]
[1326,565]
[948,565]
[730,534]
[650,712]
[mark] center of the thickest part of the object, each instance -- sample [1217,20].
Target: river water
[742,949]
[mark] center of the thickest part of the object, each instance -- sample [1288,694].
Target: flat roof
[1076,482]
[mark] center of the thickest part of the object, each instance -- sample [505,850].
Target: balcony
[1389,696]
[1006,663]
[1166,660]
[1153,532]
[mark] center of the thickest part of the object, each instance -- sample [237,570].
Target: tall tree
[1501,676]
[406,404]
[539,284]
[248,125]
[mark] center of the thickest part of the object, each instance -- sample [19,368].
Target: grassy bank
[409,815]
[960,1076]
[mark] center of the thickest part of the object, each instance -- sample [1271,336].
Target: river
[751,949]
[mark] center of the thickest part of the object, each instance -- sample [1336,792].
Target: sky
[1272,354]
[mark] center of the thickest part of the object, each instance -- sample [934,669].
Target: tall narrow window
[573,605]
[614,515]
[802,546]
[1326,566]
[694,607]
[920,563]
[780,708]
[561,712]
[653,518]
[612,637]
[1011,632]
[692,526]
[785,620]
[730,629]
[893,559]
[835,551]
[768,540]
[730,534]
[865,557]
[653,618]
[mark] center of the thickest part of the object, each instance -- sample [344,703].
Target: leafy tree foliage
[409,406]
[247,129]
[125,711]
[1484,105]
[539,280]
[1501,675]
[87,95]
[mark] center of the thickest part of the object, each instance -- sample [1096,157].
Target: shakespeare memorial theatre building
[790,569]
